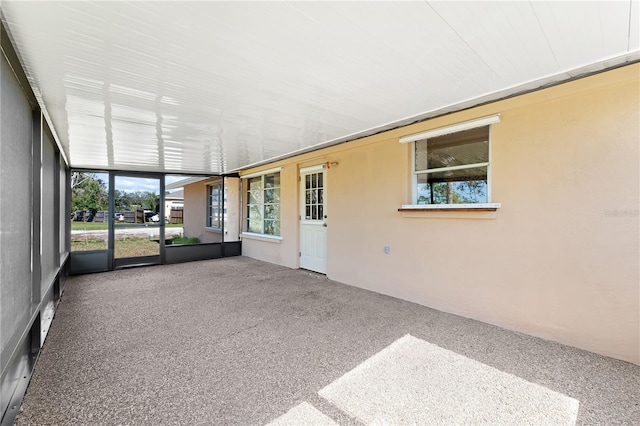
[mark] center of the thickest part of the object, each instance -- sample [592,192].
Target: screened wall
[125,219]
[34,247]
[15,207]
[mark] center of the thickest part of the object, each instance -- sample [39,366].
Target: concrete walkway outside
[103,234]
[238,341]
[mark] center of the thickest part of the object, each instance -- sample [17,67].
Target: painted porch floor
[238,341]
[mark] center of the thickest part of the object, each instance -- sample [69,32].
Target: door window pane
[314,196]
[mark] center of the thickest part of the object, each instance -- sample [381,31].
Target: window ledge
[262,237]
[213,229]
[451,211]
[480,207]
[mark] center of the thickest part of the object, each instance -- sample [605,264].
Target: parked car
[150,216]
[119,216]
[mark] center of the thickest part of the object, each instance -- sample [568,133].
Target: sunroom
[477,159]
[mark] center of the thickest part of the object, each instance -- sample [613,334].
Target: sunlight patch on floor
[303,414]
[415,382]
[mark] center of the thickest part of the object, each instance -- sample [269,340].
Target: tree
[441,193]
[88,193]
[122,200]
[128,201]
[473,191]
[454,192]
[77,178]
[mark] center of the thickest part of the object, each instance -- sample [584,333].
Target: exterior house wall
[195,212]
[558,260]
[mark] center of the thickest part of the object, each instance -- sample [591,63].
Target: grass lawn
[125,247]
[130,247]
[88,226]
[87,245]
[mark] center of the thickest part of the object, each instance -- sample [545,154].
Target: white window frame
[246,189]
[440,131]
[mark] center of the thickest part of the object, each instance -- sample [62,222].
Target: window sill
[216,230]
[451,211]
[486,207]
[262,237]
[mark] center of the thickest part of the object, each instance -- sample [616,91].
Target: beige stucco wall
[559,260]
[232,227]
[195,212]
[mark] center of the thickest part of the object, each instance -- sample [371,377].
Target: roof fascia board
[510,92]
[188,181]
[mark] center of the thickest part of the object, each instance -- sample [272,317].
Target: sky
[132,184]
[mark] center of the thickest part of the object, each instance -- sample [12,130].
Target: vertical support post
[161,235]
[36,191]
[35,341]
[223,227]
[112,210]
[67,209]
[56,208]
[241,211]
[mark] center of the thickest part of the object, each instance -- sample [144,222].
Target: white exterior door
[313,219]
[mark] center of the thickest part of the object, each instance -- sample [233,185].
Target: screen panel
[49,247]
[15,204]
[64,215]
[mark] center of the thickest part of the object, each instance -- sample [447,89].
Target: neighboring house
[174,199]
[546,242]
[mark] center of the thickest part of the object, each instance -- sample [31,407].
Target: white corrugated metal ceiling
[210,87]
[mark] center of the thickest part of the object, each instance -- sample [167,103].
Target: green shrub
[185,240]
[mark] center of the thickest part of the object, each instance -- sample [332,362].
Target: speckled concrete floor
[237,341]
